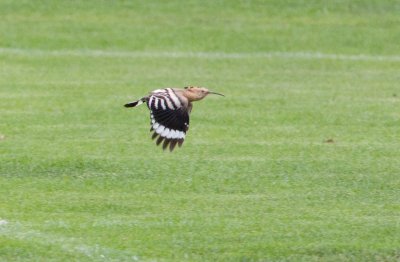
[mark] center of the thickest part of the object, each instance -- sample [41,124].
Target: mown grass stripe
[16,230]
[206,55]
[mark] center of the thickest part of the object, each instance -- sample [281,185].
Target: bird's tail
[136,103]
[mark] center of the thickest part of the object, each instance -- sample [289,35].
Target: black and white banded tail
[136,103]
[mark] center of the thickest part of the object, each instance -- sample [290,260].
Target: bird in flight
[169,112]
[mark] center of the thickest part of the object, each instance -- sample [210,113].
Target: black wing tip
[172,144]
[167,143]
[159,140]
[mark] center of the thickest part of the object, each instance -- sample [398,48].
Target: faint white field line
[16,230]
[206,55]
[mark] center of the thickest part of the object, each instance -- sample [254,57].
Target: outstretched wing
[169,118]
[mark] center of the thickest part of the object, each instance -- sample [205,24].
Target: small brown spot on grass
[330,141]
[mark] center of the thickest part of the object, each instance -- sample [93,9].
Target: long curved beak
[215,93]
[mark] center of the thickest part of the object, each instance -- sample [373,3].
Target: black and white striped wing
[169,118]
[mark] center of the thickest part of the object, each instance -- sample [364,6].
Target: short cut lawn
[299,162]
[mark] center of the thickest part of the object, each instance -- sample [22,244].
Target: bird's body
[169,112]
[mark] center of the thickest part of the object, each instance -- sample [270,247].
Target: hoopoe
[169,112]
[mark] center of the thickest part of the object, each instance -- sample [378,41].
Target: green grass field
[299,162]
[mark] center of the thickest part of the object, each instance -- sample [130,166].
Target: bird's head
[194,93]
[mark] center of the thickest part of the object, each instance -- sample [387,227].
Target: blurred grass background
[299,162]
